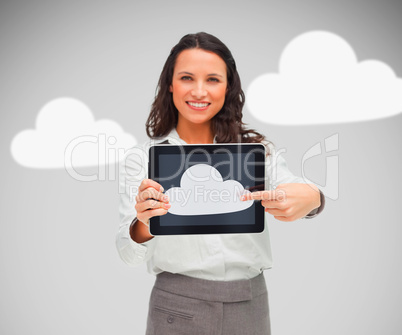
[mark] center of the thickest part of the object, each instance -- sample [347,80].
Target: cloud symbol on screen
[202,191]
[320,81]
[67,136]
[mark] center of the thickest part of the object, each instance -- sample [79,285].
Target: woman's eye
[214,79]
[185,78]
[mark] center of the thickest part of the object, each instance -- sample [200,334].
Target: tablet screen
[204,184]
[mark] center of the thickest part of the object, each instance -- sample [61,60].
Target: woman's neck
[195,133]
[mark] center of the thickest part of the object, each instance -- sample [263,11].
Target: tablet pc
[204,184]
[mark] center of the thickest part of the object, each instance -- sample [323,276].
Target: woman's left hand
[288,202]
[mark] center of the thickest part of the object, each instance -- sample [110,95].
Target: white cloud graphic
[203,192]
[67,135]
[320,81]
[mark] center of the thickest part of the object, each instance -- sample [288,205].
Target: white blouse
[222,257]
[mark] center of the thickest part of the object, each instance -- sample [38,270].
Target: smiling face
[198,87]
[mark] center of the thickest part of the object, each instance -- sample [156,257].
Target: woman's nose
[199,91]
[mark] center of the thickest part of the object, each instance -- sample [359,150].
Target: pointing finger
[260,195]
[264,195]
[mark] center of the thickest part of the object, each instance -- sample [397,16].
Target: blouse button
[170,319]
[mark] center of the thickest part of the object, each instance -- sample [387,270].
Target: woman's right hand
[150,201]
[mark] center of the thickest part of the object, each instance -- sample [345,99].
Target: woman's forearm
[139,232]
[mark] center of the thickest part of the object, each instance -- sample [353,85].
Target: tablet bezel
[236,148]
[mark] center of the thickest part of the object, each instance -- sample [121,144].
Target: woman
[206,284]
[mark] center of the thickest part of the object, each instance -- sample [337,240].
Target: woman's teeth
[198,104]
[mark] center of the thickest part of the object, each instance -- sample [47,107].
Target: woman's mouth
[198,105]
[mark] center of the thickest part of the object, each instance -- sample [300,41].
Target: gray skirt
[181,305]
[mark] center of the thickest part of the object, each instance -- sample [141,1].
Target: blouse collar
[174,138]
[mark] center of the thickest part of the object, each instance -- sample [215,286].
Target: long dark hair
[227,125]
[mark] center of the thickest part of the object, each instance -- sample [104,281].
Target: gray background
[60,272]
